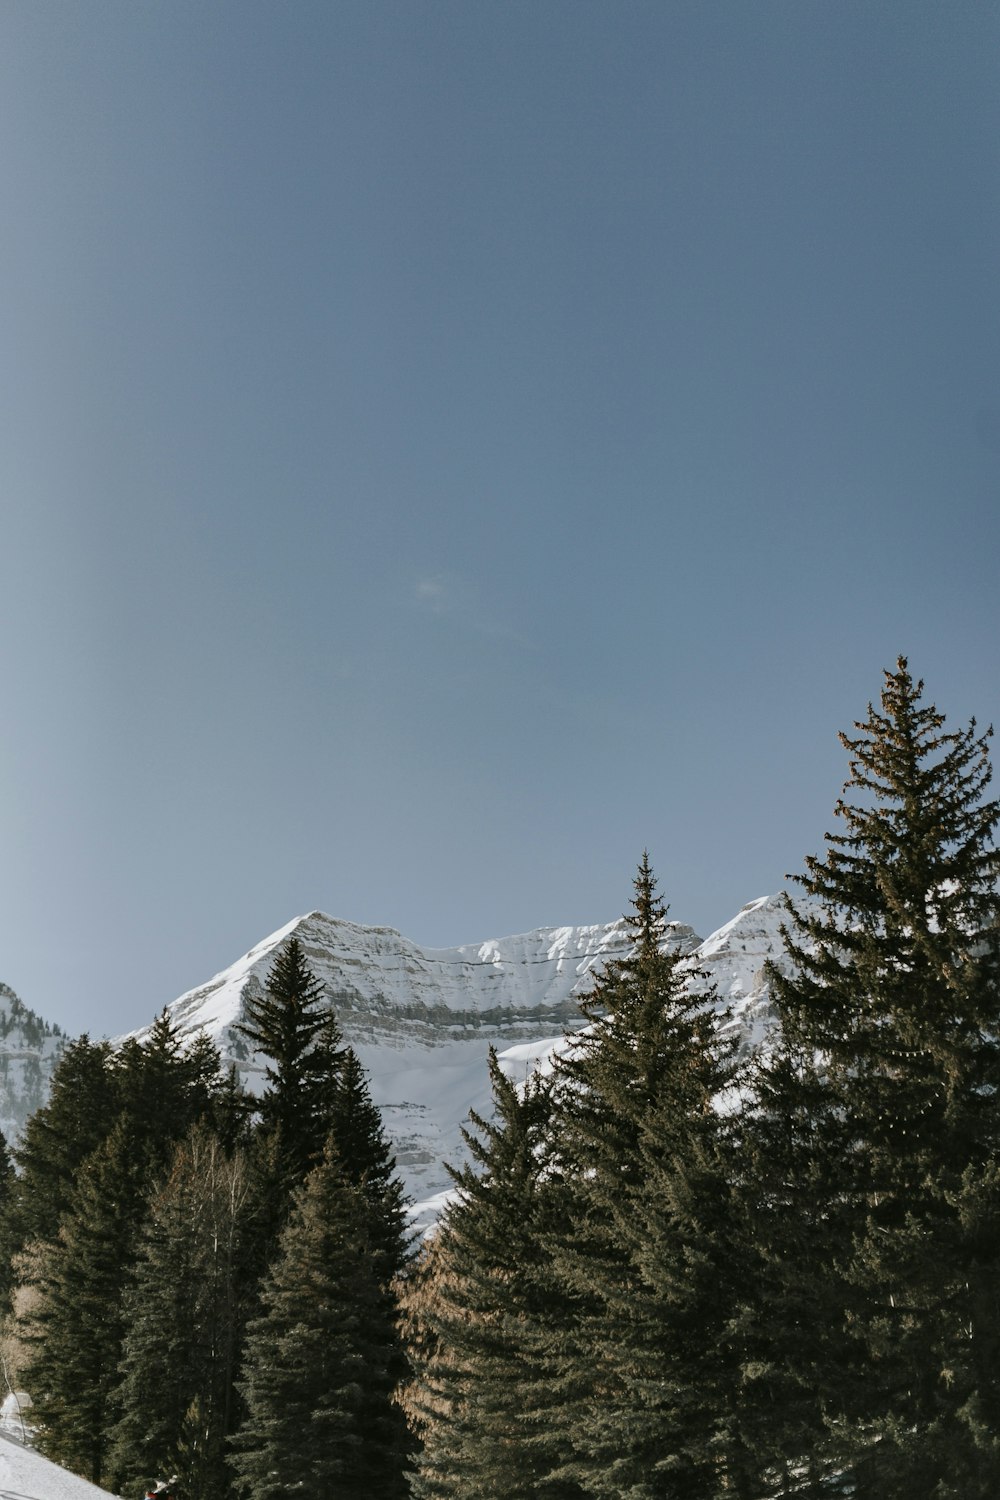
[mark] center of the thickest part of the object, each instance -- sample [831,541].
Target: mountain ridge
[421,1019]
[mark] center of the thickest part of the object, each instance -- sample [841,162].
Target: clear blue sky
[448,447]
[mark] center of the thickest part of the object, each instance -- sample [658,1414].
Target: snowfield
[26,1475]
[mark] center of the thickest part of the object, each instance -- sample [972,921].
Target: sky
[451,447]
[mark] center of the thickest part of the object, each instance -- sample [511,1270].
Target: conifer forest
[668,1271]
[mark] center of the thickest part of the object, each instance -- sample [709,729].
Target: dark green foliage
[77,1279]
[576,1322]
[160,1085]
[76,1327]
[317,1108]
[295,1031]
[680,1424]
[650,1255]
[887,1095]
[230,1110]
[323,1359]
[481,1310]
[315,1088]
[8,1183]
[356,1127]
[166,1084]
[185,1318]
[648,1038]
[83,1104]
[790,1314]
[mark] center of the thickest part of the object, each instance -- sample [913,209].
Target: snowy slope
[26,1475]
[382,985]
[730,964]
[422,1019]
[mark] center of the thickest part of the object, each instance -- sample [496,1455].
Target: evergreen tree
[7,1241]
[888,1090]
[230,1111]
[367,1161]
[185,1318]
[790,1315]
[75,1328]
[679,1426]
[321,1360]
[479,1311]
[166,1084]
[296,1032]
[650,1255]
[76,1281]
[83,1104]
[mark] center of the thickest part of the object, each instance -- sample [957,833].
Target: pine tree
[83,1104]
[480,1309]
[890,1008]
[790,1314]
[368,1163]
[185,1317]
[229,1112]
[295,1031]
[77,1280]
[75,1329]
[7,1241]
[166,1084]
[320,1367]
[650,1255]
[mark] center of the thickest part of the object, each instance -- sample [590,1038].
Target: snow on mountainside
[731,963]
[29,1050]
[422,1019]
[381,984]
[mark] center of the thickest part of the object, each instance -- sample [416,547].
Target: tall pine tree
[185,1317]
[887,1095]
[322,1360]
[367,1161]
[84,1101]
[76,1282]
[75,1325]
[481,1309]
[293,1028]
[650,1255]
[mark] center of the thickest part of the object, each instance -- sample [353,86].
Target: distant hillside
[29,1050]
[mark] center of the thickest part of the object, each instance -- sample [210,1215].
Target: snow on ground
[26,1475]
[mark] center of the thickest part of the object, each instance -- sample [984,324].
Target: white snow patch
[26,1475]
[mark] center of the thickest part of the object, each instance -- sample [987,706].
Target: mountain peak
[421,1019]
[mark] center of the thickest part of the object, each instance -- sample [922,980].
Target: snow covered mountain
[422,1019]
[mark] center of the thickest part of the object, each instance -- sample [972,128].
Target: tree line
[669,1271]
[205,1282]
